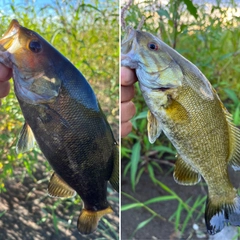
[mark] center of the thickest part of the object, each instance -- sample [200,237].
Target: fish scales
[195,140]
[184,106]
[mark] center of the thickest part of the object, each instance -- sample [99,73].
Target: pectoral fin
[58,188]
[26,139]
[154,128]
[184,174]
[114,179]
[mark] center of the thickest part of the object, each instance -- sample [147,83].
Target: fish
[62,114]
[186,108]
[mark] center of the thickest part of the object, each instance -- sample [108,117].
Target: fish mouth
[162,89]
[8,37]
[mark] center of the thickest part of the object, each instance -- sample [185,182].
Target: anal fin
[184,174]
[154,127]
[26,139]
[58,188]
[88,220]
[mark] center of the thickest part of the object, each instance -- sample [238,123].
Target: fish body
[184,106]
[63,115]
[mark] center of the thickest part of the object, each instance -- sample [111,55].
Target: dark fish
[63,115]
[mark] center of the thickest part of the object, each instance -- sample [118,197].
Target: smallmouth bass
[63,115]
[185,107]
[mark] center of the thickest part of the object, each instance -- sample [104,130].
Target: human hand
[5,75]
[128,78]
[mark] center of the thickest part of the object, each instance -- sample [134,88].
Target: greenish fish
[185,107]
[64,117]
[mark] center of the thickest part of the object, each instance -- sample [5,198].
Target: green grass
[212,44]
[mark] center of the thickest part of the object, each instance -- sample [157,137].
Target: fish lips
[127,60]
[160,88]
[9,36]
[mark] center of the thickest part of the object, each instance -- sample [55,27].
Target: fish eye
[35,46]
[153,46]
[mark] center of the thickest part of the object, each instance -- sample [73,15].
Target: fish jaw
[8,37]
[32,82]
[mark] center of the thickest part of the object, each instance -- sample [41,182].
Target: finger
[127,111]
[4,89]
[128,76]
[126,128]
[127,93]
[5,73]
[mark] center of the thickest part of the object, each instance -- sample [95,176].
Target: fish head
[156,70]
[30,57]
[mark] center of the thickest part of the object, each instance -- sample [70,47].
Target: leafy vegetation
[87,34]
[208,35]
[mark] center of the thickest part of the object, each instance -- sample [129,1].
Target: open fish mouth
[9,36]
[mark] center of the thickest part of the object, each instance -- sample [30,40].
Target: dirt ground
[29,212]
[157,228]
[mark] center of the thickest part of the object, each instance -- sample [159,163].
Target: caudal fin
[88,220]
[218,216]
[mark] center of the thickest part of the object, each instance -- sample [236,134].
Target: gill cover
[27,53]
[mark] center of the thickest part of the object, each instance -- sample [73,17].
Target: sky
[5,4]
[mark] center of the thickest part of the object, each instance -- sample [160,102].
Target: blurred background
[87,33]
[207,33]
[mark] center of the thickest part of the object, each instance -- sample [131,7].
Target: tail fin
[88,220]
[217,216]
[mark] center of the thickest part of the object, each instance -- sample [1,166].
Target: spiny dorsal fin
[154,128]
[114,179]
[58,188]
[26,139]
[88,220]
[234,157]
[184,174]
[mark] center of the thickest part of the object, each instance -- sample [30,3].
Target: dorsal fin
[234,144]
[114,179]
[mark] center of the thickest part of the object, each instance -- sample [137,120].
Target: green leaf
[178,215]
[163,12]
[131,206]
[164,149]
[160,199]
[236,115]
[135,157]
[141,115]
[143,224]
[2,213]
[191,8]
[232,95]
